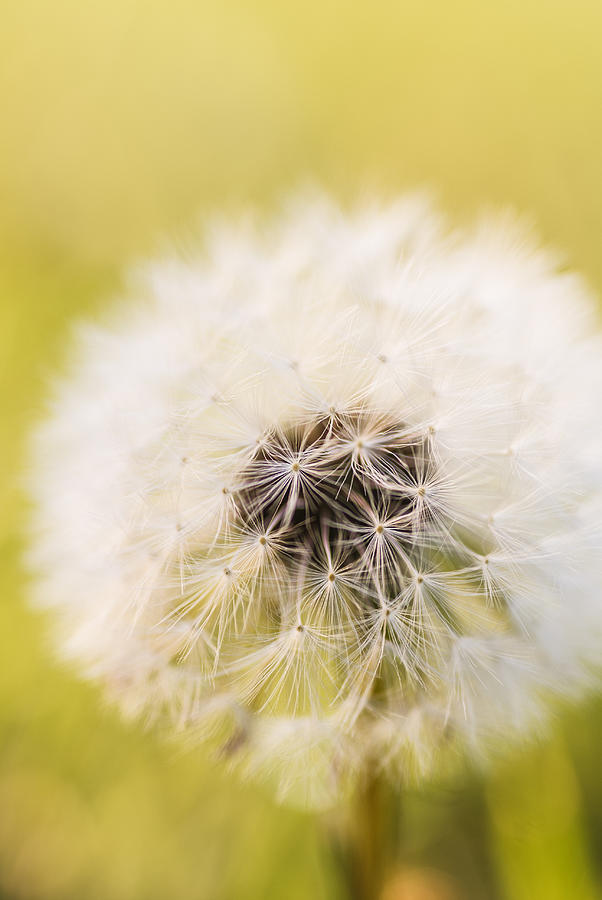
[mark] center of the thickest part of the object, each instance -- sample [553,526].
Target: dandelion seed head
[330,496]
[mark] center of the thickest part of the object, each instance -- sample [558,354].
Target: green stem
[362,840]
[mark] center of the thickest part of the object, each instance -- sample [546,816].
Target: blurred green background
[121,122]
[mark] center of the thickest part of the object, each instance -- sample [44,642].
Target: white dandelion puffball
[328,493]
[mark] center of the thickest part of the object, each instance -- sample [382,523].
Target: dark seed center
[326,486]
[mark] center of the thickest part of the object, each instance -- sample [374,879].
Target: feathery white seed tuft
[332,493]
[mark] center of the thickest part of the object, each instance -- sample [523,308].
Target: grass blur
[124,121]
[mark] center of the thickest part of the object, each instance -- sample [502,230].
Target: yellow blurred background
[121,123]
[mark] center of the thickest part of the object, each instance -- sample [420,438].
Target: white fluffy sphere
[330,491]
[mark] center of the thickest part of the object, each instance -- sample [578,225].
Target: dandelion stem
[362,840]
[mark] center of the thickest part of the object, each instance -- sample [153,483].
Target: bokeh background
[121,123]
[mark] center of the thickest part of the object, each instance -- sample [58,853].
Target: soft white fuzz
[330,492]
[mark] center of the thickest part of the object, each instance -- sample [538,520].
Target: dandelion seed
[352,509]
